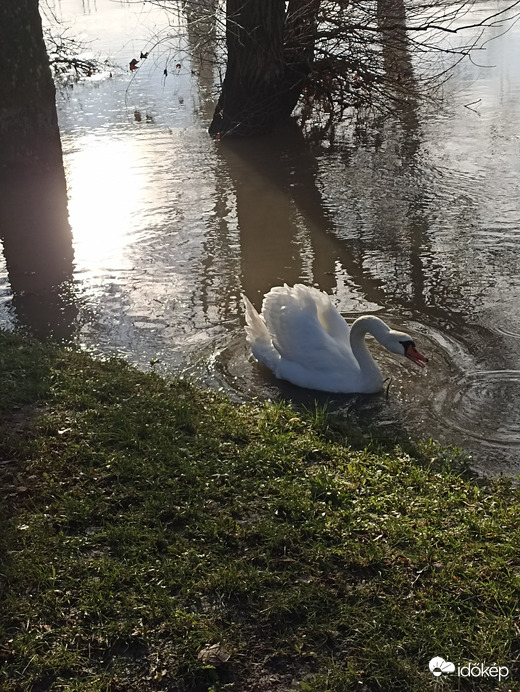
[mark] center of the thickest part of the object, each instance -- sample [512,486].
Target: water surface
[414,218]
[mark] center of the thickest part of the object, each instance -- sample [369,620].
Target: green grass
[145,521]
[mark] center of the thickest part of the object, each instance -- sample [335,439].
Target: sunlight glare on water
[106,192]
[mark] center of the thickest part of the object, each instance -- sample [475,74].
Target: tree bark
[34,228]
[267,64]
[29,135]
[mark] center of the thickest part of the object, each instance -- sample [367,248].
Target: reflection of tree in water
[201,23]
[38,251]
[285,232]
[378,235]
[389,229]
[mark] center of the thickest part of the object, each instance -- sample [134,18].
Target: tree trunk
[391,19]
[267,64]
[29,135]
[34,228]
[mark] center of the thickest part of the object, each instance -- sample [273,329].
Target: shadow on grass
[25,386]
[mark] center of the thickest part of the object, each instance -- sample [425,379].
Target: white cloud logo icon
[438,666]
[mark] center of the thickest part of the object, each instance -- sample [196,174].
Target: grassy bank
[156,537]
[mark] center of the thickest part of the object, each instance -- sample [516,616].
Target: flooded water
[414,218]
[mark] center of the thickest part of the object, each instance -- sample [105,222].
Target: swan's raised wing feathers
[329,317]
[306,329]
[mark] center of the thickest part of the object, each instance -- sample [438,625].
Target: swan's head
[403,345]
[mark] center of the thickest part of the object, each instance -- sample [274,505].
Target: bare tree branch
[340,55]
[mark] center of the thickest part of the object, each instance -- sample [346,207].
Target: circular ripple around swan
[482,405]
[506,331]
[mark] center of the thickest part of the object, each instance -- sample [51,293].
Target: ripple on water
[449,400]
[506,331]
[482,405]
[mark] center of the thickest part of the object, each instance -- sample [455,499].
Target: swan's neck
[362,326]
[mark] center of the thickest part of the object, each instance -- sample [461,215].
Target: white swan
[302,338]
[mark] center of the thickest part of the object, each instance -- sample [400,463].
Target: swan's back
[306,328]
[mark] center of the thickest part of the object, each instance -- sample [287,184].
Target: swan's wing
[329,317]
[292,317]
[259,338]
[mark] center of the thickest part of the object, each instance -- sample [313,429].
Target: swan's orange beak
[413,354]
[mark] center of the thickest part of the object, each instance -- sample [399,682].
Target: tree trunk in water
[267,64]
[34,224]
[391,19]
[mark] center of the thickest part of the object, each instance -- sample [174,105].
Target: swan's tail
[259,338]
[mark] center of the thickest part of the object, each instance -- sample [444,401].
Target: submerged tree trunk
[34,228]
[267,64]
[391,20]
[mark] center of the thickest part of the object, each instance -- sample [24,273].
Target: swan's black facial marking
[406,344]
[412,353]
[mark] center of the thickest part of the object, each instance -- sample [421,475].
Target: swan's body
[302,338]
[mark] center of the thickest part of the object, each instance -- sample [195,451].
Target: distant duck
[302,338]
